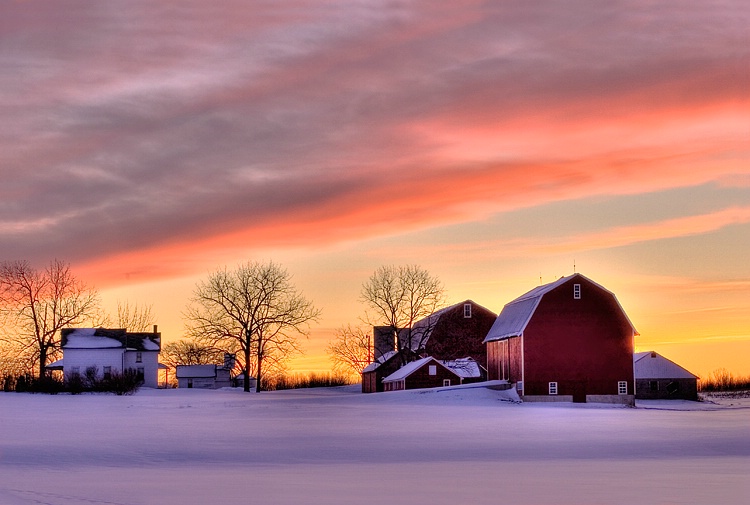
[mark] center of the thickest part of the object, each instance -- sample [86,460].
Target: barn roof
[652,365]
[382,359]
[466,368]
[412,367]
[408,369]
[427,325]
[516,314]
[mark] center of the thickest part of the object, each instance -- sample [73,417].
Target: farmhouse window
[553,388]
[139,357]
[577,291]
[107,372]
[653,385]
[433,370]
[622,388]
[141,373]
[446,382]
[467,311]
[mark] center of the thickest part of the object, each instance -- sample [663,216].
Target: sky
[496,144]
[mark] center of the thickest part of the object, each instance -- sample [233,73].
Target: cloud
[179,129]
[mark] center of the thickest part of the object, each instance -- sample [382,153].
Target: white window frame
[622,387]
[139,357]
[432,370]
[553,388]
[107,372]
[467,311]
[446,383]
[576,291]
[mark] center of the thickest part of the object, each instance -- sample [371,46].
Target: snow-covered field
[337,446]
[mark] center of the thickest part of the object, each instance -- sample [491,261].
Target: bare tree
[37,304]
[257,308]
[190,352]
[400,296]
[350,350]
[135,318]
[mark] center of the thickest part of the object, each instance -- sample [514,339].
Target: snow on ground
[337,446]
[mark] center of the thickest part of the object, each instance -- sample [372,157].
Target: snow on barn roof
[466,368]
[517,313]
[382,359]
[652,365]
[195,371]
[412,367]
[408,369]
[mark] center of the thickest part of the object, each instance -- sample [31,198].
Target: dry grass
[723,380]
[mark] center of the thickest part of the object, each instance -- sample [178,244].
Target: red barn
[569,340]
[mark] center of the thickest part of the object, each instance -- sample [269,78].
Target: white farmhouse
[110,351]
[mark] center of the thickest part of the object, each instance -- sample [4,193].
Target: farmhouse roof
[105,338]
[516,314]
[652,365]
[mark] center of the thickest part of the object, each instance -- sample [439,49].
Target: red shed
[423,373]
[569,340]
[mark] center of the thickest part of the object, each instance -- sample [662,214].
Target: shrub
[74,383]
[125,383]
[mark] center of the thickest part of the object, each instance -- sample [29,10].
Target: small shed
[203,376]
[657,377]
[423,373]
[375,372]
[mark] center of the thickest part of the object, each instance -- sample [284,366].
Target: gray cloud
[132,124]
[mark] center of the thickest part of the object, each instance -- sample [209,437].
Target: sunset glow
[496,145]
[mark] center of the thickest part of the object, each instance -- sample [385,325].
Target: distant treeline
[723,380]
[311,380]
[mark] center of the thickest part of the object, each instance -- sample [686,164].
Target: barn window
[446,382]
[553,388]
[653,385]
[433,370]
[467,311]
[622,388]
[577,291]
[139,357]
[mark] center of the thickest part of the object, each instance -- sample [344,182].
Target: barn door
[578,390]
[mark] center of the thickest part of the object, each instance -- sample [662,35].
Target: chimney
[155,328]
